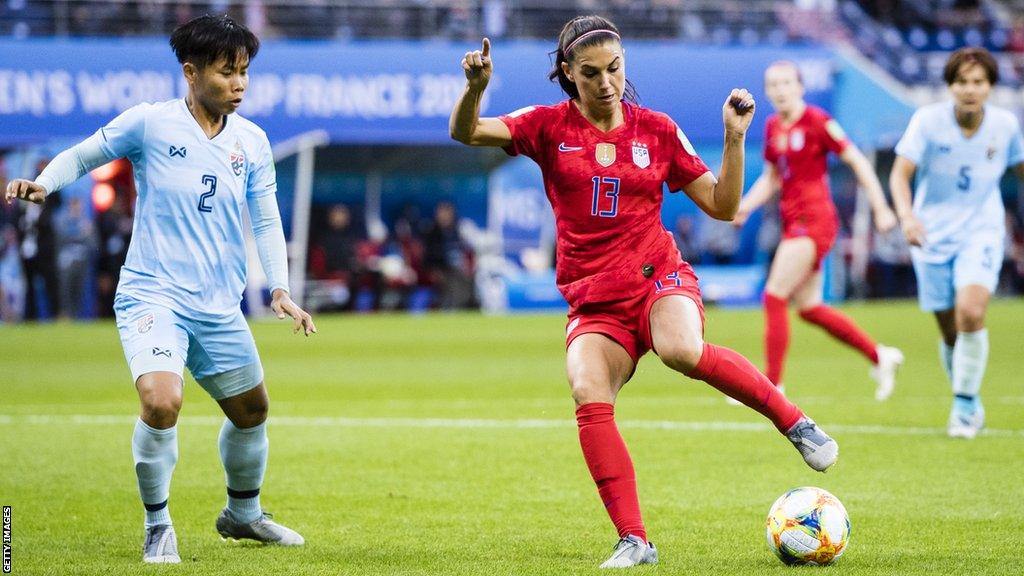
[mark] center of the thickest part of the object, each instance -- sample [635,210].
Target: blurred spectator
[893,273]
[115,231]
[404,278]
[769,233]
[21,19]
[12,278]
[449,260]
[76,242]
[686,242]
[36,236]
[334,260]
[719,240]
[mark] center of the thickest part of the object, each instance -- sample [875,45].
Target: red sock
[841,327]
[610,466]
[776,336]
[736,376]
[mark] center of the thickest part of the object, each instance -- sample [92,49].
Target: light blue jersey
[957,195]
[187,250]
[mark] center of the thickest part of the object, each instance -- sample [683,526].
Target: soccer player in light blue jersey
[959,151]
[197,168]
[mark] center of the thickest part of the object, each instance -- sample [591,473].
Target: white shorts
[221,354]
[977,263]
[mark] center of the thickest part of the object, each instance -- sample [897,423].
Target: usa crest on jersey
[237,159]
[641,156]
[796,140]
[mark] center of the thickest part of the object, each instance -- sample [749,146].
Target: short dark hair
[963,56]
[604,30]
[204,40]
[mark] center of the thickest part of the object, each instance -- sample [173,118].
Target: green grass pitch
[445,444]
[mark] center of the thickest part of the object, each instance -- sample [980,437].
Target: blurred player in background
[177,305]
[604,160]
[798,139]
[958,151]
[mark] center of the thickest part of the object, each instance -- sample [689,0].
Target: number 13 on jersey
[606,197]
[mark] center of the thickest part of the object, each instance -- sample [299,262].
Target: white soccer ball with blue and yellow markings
[808,525]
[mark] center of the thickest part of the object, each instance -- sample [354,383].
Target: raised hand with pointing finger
[478,67]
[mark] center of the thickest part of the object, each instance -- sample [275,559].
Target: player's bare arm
[885,219]
[899,184]
[465,124]
[283,306]
[720,197]
[766,185]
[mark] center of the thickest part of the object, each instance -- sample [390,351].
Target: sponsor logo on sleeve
[685,142]
[835,130]
[521,111]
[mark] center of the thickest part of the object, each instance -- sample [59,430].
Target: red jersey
[606,192]
[800,153]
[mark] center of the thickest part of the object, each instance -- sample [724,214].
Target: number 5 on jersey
[606,197]
[211,183]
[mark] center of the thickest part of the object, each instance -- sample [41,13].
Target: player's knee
[682,354]
[587,388]
[161,411]
[253,416]
[970,317]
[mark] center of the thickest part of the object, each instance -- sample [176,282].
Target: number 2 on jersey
[605,187]
[211,182]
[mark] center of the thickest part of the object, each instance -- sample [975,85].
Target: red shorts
[628,322]
[822,232]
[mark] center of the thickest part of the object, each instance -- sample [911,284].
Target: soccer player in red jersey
[798,139]
[604,162]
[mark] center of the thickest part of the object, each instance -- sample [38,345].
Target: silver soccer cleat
[965,424]
[818,449]
[889,361]
[161,545]
[631,551]
[263,529]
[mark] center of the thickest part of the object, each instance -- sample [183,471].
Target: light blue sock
[243,451]
[155,453]
[970,358]
[946,359]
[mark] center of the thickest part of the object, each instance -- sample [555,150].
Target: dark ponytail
[602,30]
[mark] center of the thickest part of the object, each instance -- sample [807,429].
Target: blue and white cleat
[631,551]
[963,424]
[818,449]
[889,361]
[262,529]
[161,545]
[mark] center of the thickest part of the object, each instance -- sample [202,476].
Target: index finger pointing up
[487,48]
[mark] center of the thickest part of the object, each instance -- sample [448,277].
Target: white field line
[344,422]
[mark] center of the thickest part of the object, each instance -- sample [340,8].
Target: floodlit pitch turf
[446,444]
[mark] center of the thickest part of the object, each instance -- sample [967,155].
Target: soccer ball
[808,526]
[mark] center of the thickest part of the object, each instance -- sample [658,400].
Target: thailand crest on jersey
[237,159]
[605,154]
[796,140]
[641,156]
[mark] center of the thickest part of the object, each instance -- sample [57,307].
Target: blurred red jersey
[606,192]
[800,155]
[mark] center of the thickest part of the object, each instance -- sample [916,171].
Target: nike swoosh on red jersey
[563,148]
